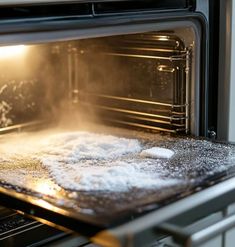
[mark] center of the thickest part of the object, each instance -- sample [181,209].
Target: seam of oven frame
[108,31]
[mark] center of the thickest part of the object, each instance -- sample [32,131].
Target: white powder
[94,162]
[120,176]
[157,152]
[71,147]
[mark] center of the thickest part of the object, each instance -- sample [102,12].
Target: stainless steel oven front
[135,74]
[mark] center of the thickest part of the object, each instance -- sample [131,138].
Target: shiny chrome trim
[132,100]
[172,118]
[170,58]
[19,127]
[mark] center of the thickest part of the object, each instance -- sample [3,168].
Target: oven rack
[137,112]
[180,57]
[23,126]
[162,105]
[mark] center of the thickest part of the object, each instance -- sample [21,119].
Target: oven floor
[197,163]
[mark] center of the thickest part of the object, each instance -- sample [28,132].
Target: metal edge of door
[226,72]
[145,229]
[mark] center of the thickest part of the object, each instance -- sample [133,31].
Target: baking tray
[28,187]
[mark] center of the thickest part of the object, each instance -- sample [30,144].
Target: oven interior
[145,80]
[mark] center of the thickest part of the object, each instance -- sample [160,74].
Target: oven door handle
[190,238]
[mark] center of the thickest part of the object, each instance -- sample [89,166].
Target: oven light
[12,51]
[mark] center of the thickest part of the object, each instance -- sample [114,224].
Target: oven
[116,123]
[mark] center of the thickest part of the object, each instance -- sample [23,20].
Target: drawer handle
[191,239]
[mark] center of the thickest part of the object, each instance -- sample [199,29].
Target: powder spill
[120,176]
[74,146]
[157,152]
[91,162]
[94,162]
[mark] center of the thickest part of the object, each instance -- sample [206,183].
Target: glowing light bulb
[12,51]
